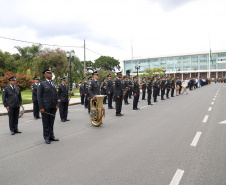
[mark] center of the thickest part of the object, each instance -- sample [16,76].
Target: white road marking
[215,96]
[210,108]
[205,119]
[212,103]
[214,99]
[177,177]
[29,120]
[196,139]
[144,107]
[223,122]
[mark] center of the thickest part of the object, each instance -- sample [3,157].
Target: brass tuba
[97,110]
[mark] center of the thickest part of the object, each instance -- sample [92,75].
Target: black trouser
[88,105]
[63,109]
[36,109]
[158,91]
[130,93]
[162,93]
[155,94]
[118,104]
[149,97]
[180,89]
[167,93]
[135,101]
[82,99]
[143,94]
[13,118]
[110,96]
[190,87]
[48,122]
[172,92]
[105,98]
[86,102]
[126,97]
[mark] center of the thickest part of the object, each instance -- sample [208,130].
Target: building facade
[187,65]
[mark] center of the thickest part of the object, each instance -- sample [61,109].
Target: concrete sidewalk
[29,107]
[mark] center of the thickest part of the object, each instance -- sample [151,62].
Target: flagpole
[209,54]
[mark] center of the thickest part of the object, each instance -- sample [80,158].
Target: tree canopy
[106,63]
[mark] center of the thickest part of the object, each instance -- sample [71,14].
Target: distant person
[34,88]
[11,97]
[74,85]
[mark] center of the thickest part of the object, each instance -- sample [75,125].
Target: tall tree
[106,63]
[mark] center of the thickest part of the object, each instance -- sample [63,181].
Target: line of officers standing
[121,90]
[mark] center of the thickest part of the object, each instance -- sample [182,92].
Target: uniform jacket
[135,87]
[125,83]
[103,88]
[162,83]
[155,85]
[117,87]
[94,88]
[86,85]
[81,89]
[149,86]
[34,89]
[62,92]
[110,87]
[172,83]
[11,98]
[47,95]
[143,85]
[167,85]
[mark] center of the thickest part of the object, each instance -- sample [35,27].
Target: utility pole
[84,57]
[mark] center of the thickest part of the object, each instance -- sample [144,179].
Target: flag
[211,56]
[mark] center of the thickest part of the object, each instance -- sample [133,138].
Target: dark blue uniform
[143,90]
[85,85]
[81,90]
[136,94]
[167,85]
[34,88]
[172,85]
[155,90]
[149,91]
[110,91]
[47,100]
[125,84]
[118,92]
[11,98]
[62,94]
[162,86]
[103,91]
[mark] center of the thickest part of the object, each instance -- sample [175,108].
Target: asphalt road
[176,141]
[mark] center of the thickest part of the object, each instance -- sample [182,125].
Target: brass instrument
[124,92]
[97,110]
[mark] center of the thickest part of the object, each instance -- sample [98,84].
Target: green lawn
[27,96]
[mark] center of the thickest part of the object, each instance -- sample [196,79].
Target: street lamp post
[70,57]
[137,67]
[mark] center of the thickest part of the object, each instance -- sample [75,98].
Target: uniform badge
[89,85]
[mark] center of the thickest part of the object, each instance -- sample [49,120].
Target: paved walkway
[29,107]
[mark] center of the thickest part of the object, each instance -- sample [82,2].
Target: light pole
[137,67]
[70,57]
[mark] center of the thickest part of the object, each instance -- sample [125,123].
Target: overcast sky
[155,27]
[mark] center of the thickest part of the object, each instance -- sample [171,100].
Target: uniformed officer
[162,85]
[167,85]
[34,88]
[126,85]
[62,97]
[48,105]
[159,88]
[155,88]
[103,90]
[85,84]
[110,91]
[94,86]
[81,91]
[144,88]
[136,93]
[118,93]
[149,90]
[180,84]
[177,84]
[172,86]
[88,98]
[130,88]
[11,97]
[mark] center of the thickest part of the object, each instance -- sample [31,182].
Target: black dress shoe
[17,131]
[110,108]
[12,133]
[54,139]
[63,120]
[119,114]
[67,120]
[47,141]
[35,118]
[39,117]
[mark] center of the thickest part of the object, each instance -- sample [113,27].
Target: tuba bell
[97,110]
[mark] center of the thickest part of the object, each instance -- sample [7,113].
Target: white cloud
[156,27]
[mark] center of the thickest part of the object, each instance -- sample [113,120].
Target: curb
[31,110]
